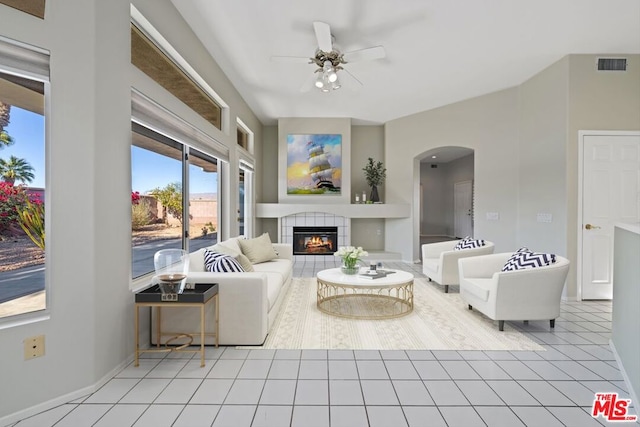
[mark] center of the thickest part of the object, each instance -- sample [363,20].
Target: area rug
[439,321]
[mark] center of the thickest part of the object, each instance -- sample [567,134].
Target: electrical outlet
[33,347]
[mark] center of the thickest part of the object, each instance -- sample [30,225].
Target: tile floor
[351,388]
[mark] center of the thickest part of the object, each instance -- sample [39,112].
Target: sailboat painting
[314,164]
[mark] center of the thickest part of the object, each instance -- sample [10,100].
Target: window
[244,136]
[175,165]
[245,199]
[32,7]
[164,174]
[23,81]
[152,61]
[203,200]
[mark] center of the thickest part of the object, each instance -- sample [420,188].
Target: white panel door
[463,209]
[611,186]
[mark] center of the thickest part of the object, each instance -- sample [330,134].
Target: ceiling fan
[329,59]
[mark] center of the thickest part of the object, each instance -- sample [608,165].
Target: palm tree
[16,169]
[5,138]
[5,111]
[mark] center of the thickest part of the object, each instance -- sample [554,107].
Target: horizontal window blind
[24,60]
[146,112]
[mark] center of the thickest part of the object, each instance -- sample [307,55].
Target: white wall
[488,125]
[597,101]
[542,160]
[89,332]
[458,170]
[366,141]
[437,185]
[625,316]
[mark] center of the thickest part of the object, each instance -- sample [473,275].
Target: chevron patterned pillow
[220,263]
[468,243]
[524,258]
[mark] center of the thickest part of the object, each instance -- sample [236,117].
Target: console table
[199,296]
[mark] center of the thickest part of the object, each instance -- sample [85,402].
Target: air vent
[612,64]
[434,166]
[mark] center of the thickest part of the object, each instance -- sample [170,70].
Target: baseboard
[632,392]
[64,399]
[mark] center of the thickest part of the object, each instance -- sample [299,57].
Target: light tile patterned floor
[336,388]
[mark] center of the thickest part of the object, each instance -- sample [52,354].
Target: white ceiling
[437,51]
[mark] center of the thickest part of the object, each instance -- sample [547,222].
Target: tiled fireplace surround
[315,219]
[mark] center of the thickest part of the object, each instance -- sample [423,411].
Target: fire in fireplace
[315,240]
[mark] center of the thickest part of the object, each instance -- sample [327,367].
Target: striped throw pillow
[221,263]
[468,243]
[524,258]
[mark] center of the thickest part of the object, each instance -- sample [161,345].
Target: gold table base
[174,336]
[365,302]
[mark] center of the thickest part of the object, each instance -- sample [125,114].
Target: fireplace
[315,240]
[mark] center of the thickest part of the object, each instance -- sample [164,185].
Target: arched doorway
[446,194]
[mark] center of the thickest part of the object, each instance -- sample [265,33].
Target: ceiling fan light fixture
[319,81]
[336,85]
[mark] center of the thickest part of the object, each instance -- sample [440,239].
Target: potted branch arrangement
[374,173]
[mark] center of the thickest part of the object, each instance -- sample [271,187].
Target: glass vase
[350,269]
[172,266]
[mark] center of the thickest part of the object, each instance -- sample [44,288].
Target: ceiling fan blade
[291,59]
[323,35]
[367,54]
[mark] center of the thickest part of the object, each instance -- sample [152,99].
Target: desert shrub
[31,219]
[140,214]
[208,227]
[12,200]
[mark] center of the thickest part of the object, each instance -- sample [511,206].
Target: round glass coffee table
[356,297]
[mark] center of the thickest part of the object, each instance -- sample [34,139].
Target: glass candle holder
[172,266]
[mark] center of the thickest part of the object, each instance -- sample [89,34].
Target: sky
[149,170]
[27,130]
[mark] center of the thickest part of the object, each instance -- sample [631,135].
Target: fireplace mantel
[382,210]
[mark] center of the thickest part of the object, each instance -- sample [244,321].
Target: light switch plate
[544,217]
[493,216]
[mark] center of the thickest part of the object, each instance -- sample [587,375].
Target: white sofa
[527,294]
[248,301]
[440,261]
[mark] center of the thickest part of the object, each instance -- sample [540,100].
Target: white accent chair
[527,294]
[440,261]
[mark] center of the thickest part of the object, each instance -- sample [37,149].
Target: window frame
[32,63]
[147,114]
[241,127]
[163,44]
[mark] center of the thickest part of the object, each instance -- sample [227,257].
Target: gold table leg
[137,337]
[217,320]
[202,336]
